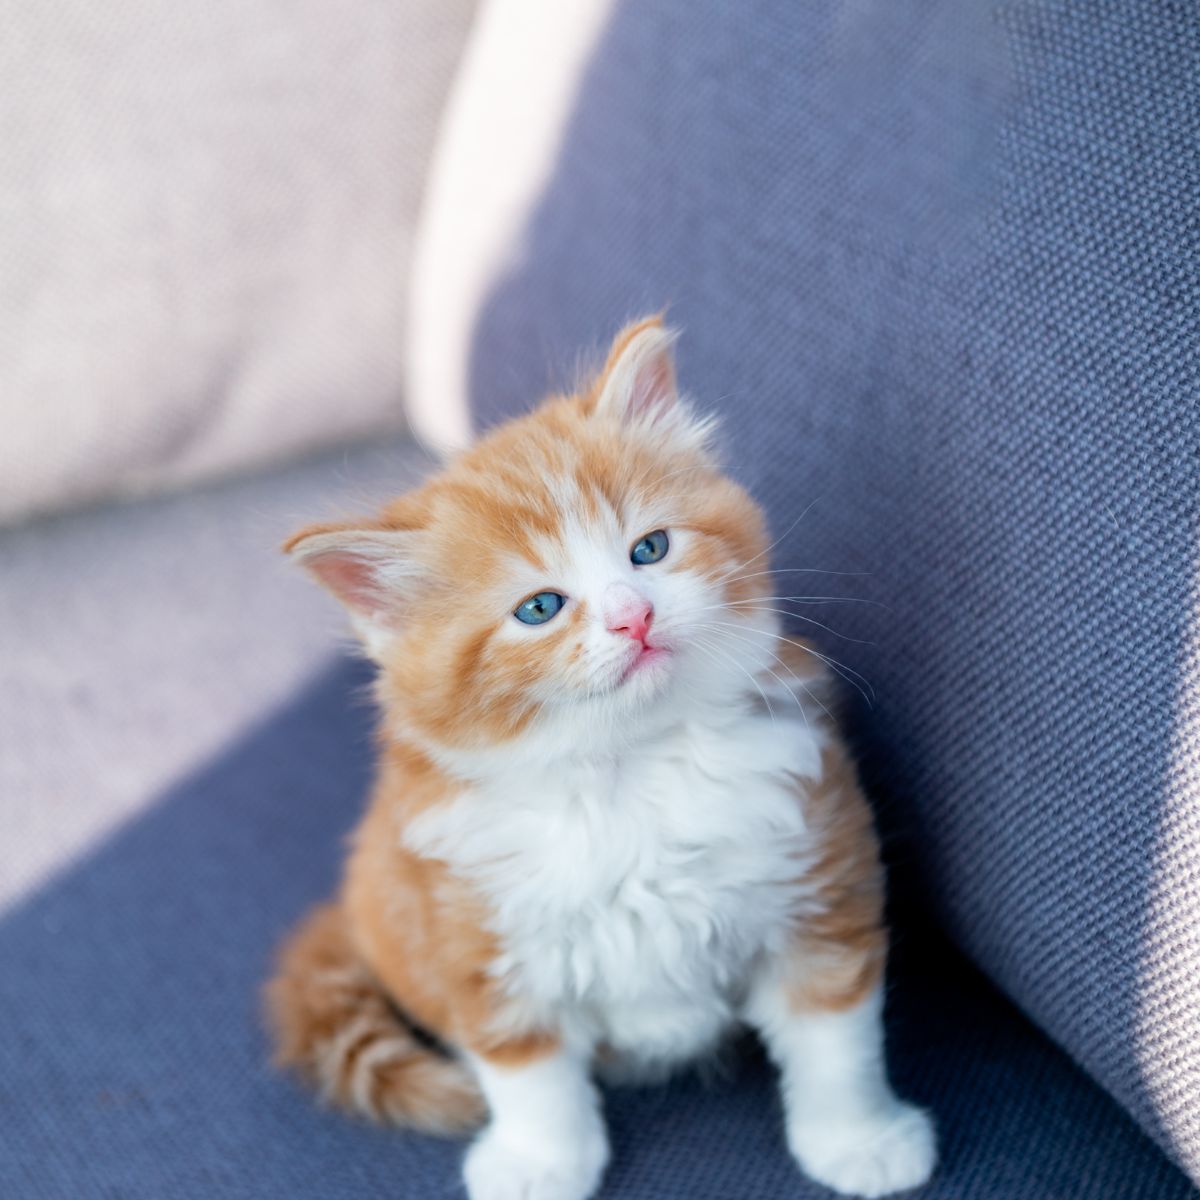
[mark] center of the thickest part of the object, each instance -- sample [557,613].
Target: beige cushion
[205,222]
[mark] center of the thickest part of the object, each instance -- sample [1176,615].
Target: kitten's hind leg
[546,1139]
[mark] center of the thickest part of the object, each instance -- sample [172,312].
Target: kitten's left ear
[372,569]
[638,380]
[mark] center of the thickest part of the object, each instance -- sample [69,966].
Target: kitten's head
[576,576]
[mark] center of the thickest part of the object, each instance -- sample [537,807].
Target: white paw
[890,1152]
[500,1169]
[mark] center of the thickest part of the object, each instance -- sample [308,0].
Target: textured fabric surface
[936,264]
[137,641]
[133,1064]
[205,222]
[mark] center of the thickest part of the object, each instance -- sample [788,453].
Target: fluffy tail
[333,1024]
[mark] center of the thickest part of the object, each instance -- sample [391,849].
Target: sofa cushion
[205,222]
[937,265]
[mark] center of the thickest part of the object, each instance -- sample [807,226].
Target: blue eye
[537,610]
[651,549]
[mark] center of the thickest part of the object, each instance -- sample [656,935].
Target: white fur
[546,1140]
[845,1127]
[633,892]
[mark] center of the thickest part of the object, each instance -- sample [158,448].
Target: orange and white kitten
[613,819]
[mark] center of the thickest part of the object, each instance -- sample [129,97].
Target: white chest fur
[632,893]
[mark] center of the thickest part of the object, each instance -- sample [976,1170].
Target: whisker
[796,616]
[746,636]
[711,649]
[799,571]
[840,668]
[814,600]
[776,542]
[820,625]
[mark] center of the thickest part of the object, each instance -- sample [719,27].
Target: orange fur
[839,954]
[332,1025]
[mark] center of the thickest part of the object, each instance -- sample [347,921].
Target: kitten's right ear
[372,570]
[638,380]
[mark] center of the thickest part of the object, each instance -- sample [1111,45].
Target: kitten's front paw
[890,1152]
[498,1169]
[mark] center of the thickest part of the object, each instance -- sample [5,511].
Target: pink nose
[632,619]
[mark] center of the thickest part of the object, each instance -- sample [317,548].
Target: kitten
[612,820]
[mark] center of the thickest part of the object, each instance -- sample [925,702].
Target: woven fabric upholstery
[936,264]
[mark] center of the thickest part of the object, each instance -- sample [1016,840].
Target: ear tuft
[638,381]
[371,570]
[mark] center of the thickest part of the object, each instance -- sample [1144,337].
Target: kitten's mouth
[644,659]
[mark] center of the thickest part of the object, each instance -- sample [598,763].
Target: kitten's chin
[651,661]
